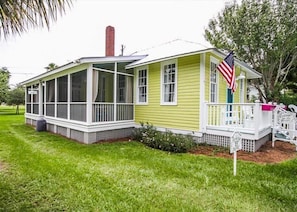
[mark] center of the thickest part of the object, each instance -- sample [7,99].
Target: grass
[40,171]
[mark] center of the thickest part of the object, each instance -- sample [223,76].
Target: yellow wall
[184,115]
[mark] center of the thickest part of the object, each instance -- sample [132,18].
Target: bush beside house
[166,141]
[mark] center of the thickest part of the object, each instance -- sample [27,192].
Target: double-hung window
[142,86]
[213,81]
[169,83]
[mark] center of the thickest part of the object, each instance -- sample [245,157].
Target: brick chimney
[109,41]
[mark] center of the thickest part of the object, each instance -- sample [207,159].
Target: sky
[80,32]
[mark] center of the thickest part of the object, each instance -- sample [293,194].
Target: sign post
[235,145]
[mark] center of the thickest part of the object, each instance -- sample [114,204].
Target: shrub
[166,141]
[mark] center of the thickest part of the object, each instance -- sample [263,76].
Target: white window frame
[163,64]
[138,86]
[216,92]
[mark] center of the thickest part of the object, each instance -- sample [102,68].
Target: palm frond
[17,16]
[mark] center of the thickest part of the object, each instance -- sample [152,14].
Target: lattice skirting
[248,145]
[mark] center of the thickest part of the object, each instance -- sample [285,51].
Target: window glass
[169,83]
[142,86]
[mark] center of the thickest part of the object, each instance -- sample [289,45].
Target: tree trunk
[17,110]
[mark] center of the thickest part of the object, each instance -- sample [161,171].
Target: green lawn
[40,171]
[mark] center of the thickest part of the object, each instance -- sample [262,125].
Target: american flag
[226,67]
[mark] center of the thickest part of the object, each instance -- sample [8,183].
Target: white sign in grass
[235,145]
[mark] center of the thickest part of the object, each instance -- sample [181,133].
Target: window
[142,85]
[213,82]
[168,89]
[62,89]
[79,86]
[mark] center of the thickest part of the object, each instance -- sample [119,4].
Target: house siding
[184,115]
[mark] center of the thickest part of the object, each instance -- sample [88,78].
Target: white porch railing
[250,118]
[105,112]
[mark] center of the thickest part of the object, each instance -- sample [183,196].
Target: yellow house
[174,86]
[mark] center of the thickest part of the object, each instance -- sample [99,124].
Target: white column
[45,94]
[40,99]
[257,118]
[26,97]
[115,92]
[68,96]
[203,107]
[31,98]
[56,96]
[89,110]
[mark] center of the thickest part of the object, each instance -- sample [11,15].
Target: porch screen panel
[28,100]
[62,96]
[105,88]
[103,96]
[125,89]
[79,86]
[35,99]
[50,98]
[62,110]
[124,97]
[78,96]
[62,89]
[78,112]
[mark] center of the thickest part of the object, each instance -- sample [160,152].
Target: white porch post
[257,115]
[31,99]
[45,95]
[26,98]
[40,99]
[68,96]
[56,97]
[115,93]
[89,110]
[203,106]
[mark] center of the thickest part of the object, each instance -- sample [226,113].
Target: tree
[17,16]
[4,84]
[16,97]
[51,66]
[262,33]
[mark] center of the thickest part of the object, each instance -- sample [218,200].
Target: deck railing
[248,117]
[105,112]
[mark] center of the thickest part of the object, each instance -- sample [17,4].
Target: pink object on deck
[268,107]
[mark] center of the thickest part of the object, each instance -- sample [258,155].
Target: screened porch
[97,93]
